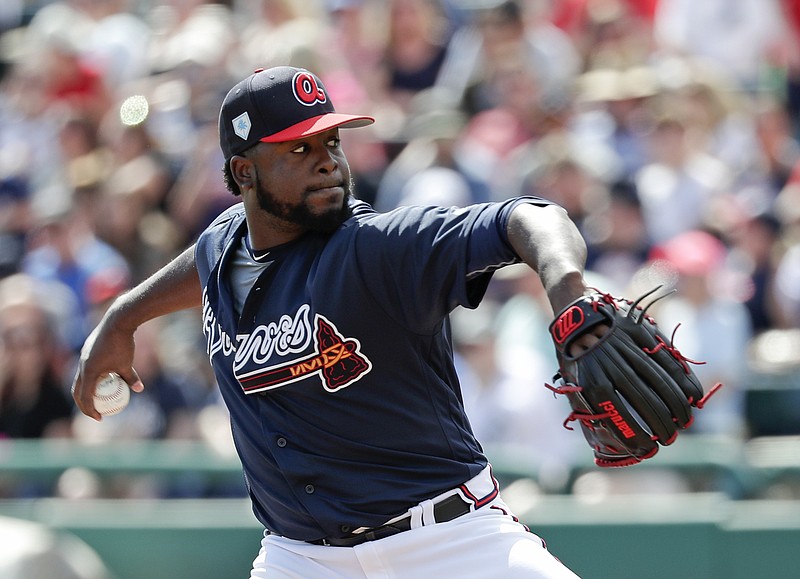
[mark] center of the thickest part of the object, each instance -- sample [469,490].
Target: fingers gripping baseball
[106,351]
[630,388]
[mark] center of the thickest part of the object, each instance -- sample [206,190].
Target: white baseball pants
[487,542]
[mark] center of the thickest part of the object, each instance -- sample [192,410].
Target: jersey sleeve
[212,241]
[422,262]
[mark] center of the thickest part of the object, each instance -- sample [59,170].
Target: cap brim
[316,125]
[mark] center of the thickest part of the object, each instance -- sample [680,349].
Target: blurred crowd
[669,129]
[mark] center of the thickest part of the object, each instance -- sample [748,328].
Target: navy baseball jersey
[333,356]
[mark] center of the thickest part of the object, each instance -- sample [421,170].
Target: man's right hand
[107,349]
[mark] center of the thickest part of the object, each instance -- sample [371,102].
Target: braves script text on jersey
[338,371]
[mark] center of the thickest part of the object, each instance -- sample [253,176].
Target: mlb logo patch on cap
[241,126]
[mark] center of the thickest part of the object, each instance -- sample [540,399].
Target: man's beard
[300,214]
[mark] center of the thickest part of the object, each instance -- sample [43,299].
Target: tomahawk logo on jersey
[336,360]
[267,357]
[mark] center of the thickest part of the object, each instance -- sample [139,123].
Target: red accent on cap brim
[316,125]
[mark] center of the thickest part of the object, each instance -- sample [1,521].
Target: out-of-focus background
[670,130]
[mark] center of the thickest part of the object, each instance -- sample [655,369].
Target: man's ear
[243,171]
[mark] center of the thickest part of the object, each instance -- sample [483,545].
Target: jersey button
[310,489]
[344,528]
[281,442]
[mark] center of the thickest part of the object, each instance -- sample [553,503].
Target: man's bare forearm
[174,287]
[548,241]
[110,347]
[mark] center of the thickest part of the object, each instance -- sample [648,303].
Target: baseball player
[327,329]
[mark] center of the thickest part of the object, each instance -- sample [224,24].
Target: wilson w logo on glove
[567,324]
[631,390]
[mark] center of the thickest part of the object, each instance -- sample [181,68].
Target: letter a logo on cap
[306,90]
[241,125]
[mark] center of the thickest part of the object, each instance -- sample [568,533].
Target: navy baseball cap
[275,105]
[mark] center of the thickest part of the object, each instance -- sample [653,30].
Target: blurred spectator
[787,276]
[129,210]
[108,37]
[119,42]
[616,236]
[141,234]
[741,37]
[719,122]
[614,34]
[355,43]
[69,78]
[15,222]
[778,150]
[64,249]
[502,36]
[491,139]
[787,280]
[679,183]
[791,11]
[29,139]
[754,255]
[522,319]
[82,155]
[192,32]
[524,130]
[711,326]
[613,119]
[416,43]
[33,400]
[435,154]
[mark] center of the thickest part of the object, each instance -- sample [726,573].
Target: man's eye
[299,149]
[334,142]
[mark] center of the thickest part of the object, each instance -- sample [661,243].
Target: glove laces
[673,351]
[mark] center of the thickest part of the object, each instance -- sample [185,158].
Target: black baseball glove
[632,390]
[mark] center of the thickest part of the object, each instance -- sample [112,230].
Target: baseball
[112,395]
